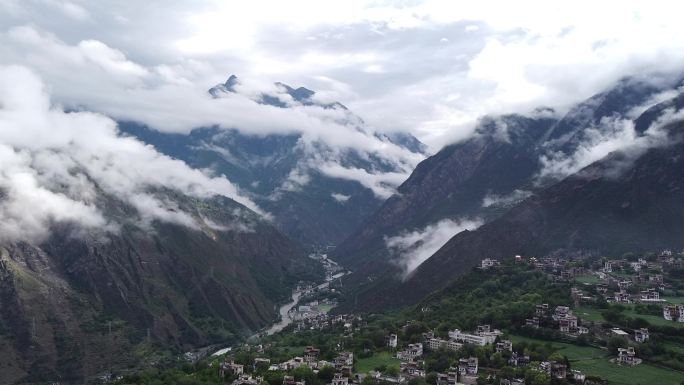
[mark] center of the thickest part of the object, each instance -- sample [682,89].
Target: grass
[589,314]
[675,300]
[588,279]
[325,308]
[594,361]
[592,314]
[364,365]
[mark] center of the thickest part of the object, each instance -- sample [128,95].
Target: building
[290,380]
[411,353]
[512,381]
[541,310]
[392,341]
[483,337]
[488,263]
[438,343]
[568,324]
[558,371]
[411,370]
[339,379]
[229,367]
[649,295]
[467,365]
[641,335]
[673,313]
[504,345]
[621,296]
[561,312]
[518,360]
[311,355]
[246,379]
[627,356]
[533,322]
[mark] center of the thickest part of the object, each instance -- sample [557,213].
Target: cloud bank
[55,164]
[412,248]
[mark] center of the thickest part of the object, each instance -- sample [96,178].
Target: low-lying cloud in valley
[54,165]
[411,248]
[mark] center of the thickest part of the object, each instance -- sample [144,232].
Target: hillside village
[597,322]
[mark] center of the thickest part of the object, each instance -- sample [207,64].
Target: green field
[589,314]
[364,365]
[588,279]
[592,314]
[594,361]
[674,299]
[325,308]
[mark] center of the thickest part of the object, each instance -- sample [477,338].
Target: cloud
[55,164]
[505,200]
[412,248]
[91,75]
[341,198]
[611,135]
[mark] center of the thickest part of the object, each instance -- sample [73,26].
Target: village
[484,354]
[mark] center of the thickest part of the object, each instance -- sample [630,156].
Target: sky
[431,68]
[71,68]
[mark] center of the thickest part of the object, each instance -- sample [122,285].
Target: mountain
[497,167]
[279,171]
[629,201]
[82,302]
[501,158]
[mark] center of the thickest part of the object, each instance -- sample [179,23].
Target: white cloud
[341,198]
[611,135]
[412,248]
[54,163]
[505,200]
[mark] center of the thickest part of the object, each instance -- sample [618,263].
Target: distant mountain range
[310,206]
[501,175]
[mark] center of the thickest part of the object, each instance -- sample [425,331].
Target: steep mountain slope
[502,157]
[280,171]
[630,201]
[485,175]
[81,302]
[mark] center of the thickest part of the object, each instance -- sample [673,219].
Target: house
[392,341]
[518,360]
[578,377]
[621,296]
[673,313]
[558,371]
[467,365]
[411,370]
[568,324]
[438,343]
[512,381]
[582,330]
[504,345]
[608,267]
[411,353]
[541,310]
[627,356]
[246,379]
[339,379]
[488,263]
[290,380]
[448,378]
[641,335]
[311,355]
[649,295]
[619,332]
[229,367]
[561,312]
[344,359]
[484,336]
[533,322]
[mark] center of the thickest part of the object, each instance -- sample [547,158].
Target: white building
[392,342]
[482,338]
[641,335]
